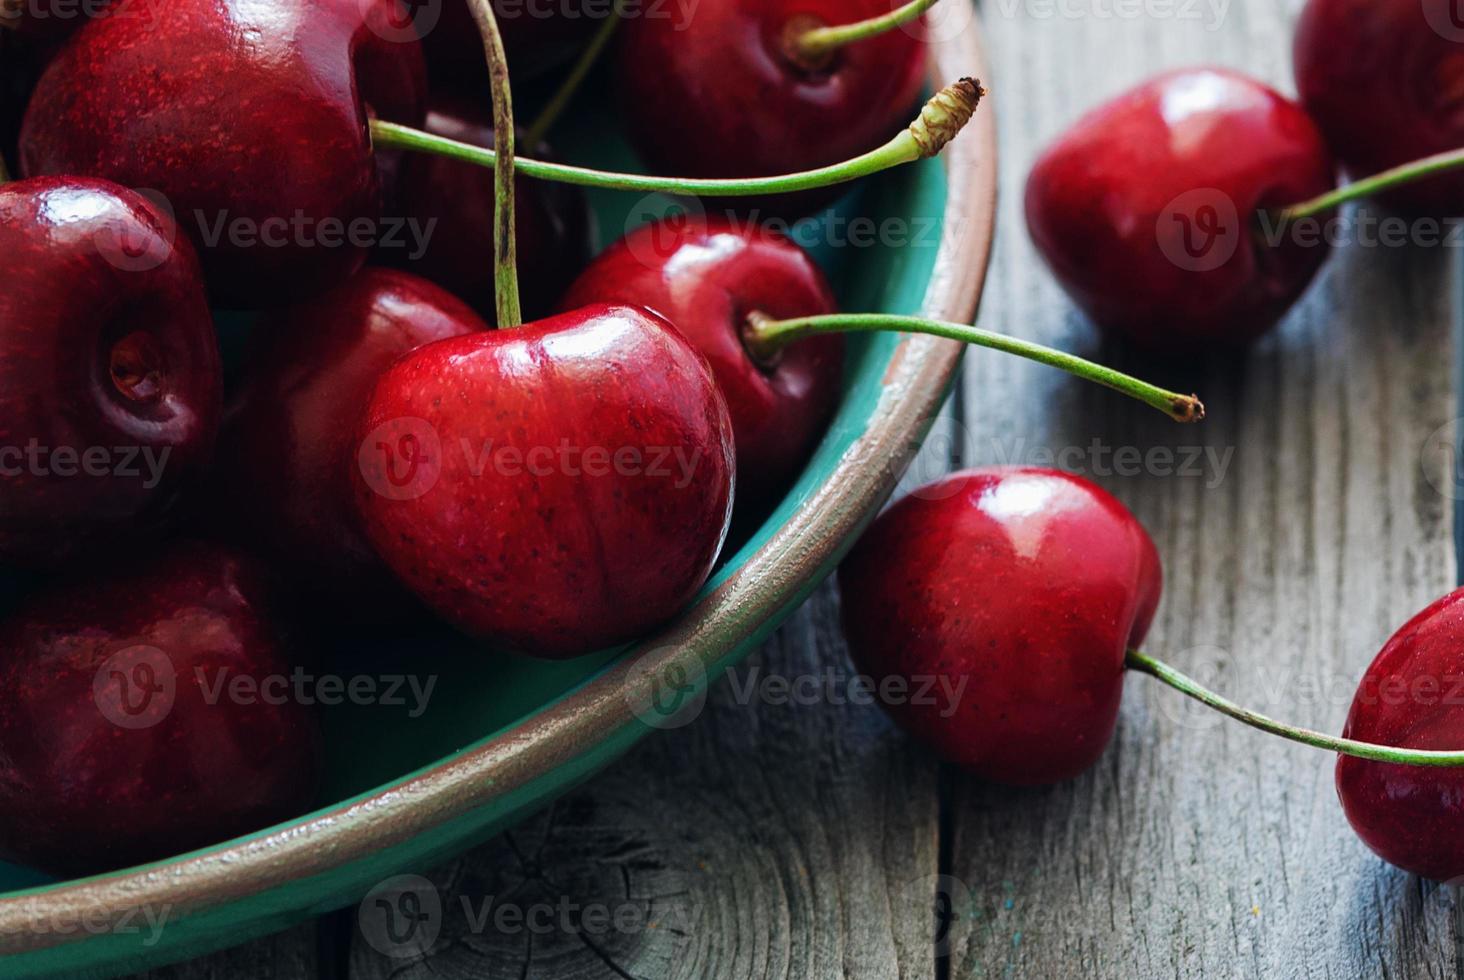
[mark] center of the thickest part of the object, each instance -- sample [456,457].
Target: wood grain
[291,955]
[774,837]
[1197,847]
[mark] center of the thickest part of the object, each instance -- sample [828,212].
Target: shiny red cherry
[1384,79]
[126,731]
[717,91]
[288,445]
[992,610]
[705,277]
[556,488]
[451,203]
[1409,697]
[110,385]
[250,119]
[1147,209]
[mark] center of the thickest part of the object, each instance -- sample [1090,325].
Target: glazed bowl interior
[475,694]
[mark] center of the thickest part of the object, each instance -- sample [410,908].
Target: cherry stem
[939,121]
[1387,180]
[765,337]
[1145,664]
[817,43]
[561,99]
[505,240]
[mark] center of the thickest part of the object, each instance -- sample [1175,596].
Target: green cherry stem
[1145,664]
[1396,177]
[554,108]
[765,337]
[938,123]
[814,44]
[505,240]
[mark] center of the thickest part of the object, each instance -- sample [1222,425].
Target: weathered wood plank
[779,836]
[1198,847]
[291,955]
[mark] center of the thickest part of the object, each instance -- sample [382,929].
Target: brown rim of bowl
[916,381]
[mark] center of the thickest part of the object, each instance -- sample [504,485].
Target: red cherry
[1384,79]
[717,93]
[110,383]
[1145,209]
[553,219]
[556,488]
[288,445]
[705,278]
[250,119]
[117,743]
[1015,592]
[1410,815]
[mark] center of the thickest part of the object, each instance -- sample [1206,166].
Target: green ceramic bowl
[502,736]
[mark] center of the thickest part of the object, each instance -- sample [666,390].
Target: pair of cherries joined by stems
[1027,592]
[1173,215]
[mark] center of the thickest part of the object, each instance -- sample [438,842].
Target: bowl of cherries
[372,472]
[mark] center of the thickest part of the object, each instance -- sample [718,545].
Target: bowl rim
[770,581]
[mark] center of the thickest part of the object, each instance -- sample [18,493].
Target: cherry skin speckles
[556,488]
[1010,595]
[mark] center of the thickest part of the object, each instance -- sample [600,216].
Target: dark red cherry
[705,277]
[110,384]
[250,119]
[715,92]
[1384,79]
[1410,698]
[1147,209]
[449,209]
[556,488]
[997,604]
[126,730]
[289,446]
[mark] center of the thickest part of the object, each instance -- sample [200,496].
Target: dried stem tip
[944,115]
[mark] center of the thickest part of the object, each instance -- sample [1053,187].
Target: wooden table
[806,841]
